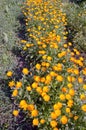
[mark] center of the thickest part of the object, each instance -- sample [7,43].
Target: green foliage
[76,18]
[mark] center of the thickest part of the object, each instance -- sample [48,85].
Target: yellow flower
[46,98]
[64,120]
[59,78]
[23,104]
[70,103]
[82,96]
[72,92]
[34,113]
[84,107]
[38,66]
[62,97]
[53,123]
[11,83]
[28,88]
[15,112]
[55,128]
[15,93]
[45,89]
[58,112]
[67,110]
[9,73]
[34,85]
[42,121]
[68,96]
[53,115]
[37,78]
[30,107]
[35,122]
[76,117]
[25,71]
[84,86]
[80,80]
[70,85]
[18,84]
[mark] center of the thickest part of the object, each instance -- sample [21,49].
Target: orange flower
[18,84]
[35,122]
[53,123]
[42,121]
[84,107]
[34,113]
[25,71]
[64,120]
[46,97]
[11,83]
[38,66]
[15,112]
[15,93]
[9,73]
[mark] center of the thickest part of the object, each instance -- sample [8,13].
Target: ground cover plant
[76,17]
[51,90]
[9,23]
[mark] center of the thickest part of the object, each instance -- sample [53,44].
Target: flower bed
[52,88]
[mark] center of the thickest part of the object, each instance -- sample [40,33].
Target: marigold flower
[67,110]
[64,120]
[11,83]
[45,89]
[53,115]
[42,121]
[46,97]
[34,113]
[28,88]
[62,97]
[38,66]
[15,112]
[25,71]
[15,93]
[59,78]
[58,112]
[55,128]
[84,107]
[35,122]
[76,117]
[23,104]
[18,84]
[9,73]
[30,107]
[72,92]
[68,96]
[34,85]
[84,86]
[53,123]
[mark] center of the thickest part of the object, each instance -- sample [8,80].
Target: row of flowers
[52,90]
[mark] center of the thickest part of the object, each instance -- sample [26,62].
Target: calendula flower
[11,84]
[18,84]
[38,66]
[35,121]
[64,120]
[53,115]
[84,107]
[53,123]
[42,121]
[15,112]
[15,93]
[30,107]
[25,71]
[34,113]
[46,97]
[9,73]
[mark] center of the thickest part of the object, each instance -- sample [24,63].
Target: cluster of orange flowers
[57,89]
